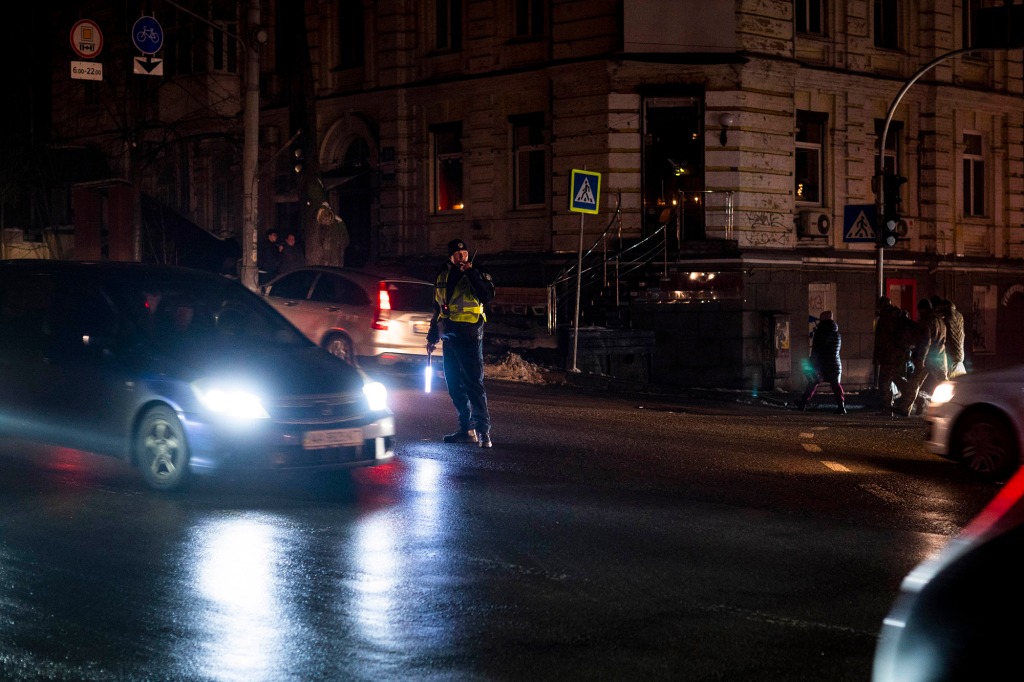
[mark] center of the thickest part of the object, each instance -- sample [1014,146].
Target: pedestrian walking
[460,293]
[825,362]
[929,359]
[894,338]
[292,254]
[955,338]
[268,256]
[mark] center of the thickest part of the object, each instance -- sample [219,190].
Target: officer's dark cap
[456,245]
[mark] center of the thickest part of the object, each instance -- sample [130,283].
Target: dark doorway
[674,168]
[351,194]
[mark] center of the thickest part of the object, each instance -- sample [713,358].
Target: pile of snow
[512,367]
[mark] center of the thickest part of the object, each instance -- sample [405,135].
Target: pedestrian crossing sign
[586,191]
[859,222]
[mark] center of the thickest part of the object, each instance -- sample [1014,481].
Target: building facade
[737,143]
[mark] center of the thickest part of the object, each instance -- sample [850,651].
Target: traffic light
[890,227]
[298,153]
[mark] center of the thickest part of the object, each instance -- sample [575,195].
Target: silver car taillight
[382,312]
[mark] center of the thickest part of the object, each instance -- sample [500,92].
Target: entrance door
[820,296]
[674,168]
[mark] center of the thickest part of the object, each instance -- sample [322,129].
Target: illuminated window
[446,142]
[809,153]
[528,160]
[973,175]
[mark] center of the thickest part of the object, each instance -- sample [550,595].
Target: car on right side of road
[360,316]
[978,420]
[953,616]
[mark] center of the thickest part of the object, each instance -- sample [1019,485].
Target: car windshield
[208,312]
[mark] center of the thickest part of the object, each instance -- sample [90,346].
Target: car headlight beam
[943,393]
[229,401]
[376,395]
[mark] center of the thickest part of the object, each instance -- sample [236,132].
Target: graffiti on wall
[765,229]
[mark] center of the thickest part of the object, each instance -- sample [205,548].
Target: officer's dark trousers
[464,374]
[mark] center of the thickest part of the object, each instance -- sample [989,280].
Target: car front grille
[318,409]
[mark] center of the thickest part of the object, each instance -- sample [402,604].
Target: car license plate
[421,327]
[331,438]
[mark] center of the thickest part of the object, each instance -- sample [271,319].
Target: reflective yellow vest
[464,306]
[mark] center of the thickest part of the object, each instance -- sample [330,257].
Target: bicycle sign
[147,35]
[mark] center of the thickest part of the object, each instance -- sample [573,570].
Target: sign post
[584,195]
[148,37]
[87,42]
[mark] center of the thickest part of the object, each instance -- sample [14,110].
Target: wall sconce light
[726,120]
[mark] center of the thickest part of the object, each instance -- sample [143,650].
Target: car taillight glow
[383,312]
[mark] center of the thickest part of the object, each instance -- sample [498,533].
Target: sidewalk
[512,367]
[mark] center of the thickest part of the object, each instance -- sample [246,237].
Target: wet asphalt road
[604,537]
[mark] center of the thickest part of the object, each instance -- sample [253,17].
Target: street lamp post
[880,166]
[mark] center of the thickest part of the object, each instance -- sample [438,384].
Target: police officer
[460,294]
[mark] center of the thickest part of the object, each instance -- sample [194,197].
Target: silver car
[978,420]
[358,316]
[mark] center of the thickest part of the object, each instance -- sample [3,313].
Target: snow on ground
[512,367]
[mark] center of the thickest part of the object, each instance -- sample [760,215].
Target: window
[195,45]
[887,25]
[810,17]
[528,160]
[984,24]
[891,156]
[810,139]
[335,289]
[529,19]
[224,52]
[973,175]
[449,25]
[446,141]
[351,44]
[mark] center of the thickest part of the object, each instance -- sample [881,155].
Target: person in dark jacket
[268,256]
[460,294]
[825,362]
[895,334]
[293,255]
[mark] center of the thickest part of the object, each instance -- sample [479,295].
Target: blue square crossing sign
[585,191]
[859,222]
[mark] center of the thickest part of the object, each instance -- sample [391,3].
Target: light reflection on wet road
[558,555]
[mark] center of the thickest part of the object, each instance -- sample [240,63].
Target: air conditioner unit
[813,224]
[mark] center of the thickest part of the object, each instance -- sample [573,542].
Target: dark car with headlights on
[176,371]
[978,420]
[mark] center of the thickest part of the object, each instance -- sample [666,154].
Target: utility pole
[250,147]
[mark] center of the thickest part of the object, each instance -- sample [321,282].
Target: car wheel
[984,442]
[161,450]
[341,346]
